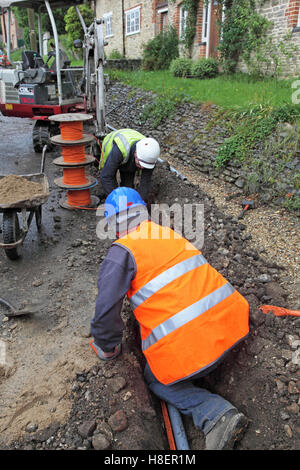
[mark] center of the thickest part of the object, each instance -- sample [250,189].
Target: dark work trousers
[206,408]
[127,179]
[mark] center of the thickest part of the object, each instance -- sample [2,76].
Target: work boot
[227,431]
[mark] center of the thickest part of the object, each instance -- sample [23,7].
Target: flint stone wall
[186,137]
[124,64]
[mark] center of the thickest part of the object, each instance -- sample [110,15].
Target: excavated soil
[15,188]
[56,394]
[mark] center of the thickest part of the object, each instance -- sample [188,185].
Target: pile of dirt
[14,188]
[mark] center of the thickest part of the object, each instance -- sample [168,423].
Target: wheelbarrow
[13,233]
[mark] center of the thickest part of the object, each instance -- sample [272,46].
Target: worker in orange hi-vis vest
[189,315]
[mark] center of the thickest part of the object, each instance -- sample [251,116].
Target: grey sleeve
[145,184]
[108,173]
[115,275]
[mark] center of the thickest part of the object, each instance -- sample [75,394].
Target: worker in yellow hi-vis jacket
[128,151]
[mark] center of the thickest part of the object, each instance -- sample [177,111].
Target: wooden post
[32,35]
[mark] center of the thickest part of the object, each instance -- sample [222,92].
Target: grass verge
[231,92]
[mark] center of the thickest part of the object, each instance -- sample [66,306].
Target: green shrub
[72,23]
[161,50]
[115,54]
[251,127]
[181,67]
[204,68]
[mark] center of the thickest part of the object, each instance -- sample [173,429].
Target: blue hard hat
[120,200]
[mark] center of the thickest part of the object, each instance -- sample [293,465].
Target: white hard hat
[147,152]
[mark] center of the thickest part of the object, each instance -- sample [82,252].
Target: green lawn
[237,91]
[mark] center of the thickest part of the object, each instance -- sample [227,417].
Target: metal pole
[123,30]
[99,62]
[40,33]
[81,19]
[86,69]
[8,35]
[208,28]
[57,55]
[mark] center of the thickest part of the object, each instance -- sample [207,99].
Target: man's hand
[105,356]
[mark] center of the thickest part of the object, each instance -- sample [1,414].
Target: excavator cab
[31,60]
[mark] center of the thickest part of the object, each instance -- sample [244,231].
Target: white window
[133,21]
[182,22]
[298,22]
[108,24]
[205,24]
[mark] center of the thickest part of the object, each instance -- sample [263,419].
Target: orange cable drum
[74,176]
[79,198]
[73,154]
[71,130]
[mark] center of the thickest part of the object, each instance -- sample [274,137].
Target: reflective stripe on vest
[188,314]
[132,137]
[165,278]
[123,140]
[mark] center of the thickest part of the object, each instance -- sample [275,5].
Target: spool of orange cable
[71,130]
[74,161]
[74,177]
[79,198]
[73,154]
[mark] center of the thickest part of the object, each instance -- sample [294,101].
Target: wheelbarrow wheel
[11,234]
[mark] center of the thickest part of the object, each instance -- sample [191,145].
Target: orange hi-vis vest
[189,314]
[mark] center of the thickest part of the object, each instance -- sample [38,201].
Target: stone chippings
[111,408]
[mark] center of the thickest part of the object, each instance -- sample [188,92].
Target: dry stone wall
[188,137]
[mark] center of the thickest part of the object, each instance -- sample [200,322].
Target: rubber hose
[178,428]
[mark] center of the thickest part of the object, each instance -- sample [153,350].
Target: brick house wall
[285,16]
[131,25]
[200,47]
[154,16]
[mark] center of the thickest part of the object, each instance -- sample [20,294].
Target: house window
[133,21]
[108,24]
[182,21]
[205,24]
[298,21]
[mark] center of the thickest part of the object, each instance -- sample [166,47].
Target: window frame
[183,14]
[205,21]
[108,16]
[298,19]
[130,12]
